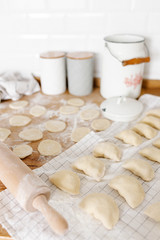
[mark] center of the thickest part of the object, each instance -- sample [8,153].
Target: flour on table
[49,147]
[31,134]
[22,150]
[19,120]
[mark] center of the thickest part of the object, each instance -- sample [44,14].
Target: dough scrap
[152,153]
[55,126]
[31,134]
[19,120]
[100,124]
[90,166]
[89,114]
[4,134]
[18,104]
[67,181]
[68,110]
[156,143]
[145,130]
[49,147]
[152,121]
[79,133]
[37,110]
[102,207]
[141,168]
[129,188]
[153,211]
[107,150]
[22,150]
[130,137]
[78,102]
[154,112]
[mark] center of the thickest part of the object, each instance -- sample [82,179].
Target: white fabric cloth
[132,225]
[13,85]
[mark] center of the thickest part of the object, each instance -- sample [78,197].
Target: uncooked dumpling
[91,166]
[79,133]
[152,153]
[153,211]
[55,126]
[18,104]
[130,137]
[100,124]
[31,134]
[49,147]
[78,102]
[129,188]
[89,114]
[22,150]
[107,150]
[68,110]
[102,207]
[19,120]
[156,143]
[67,181]
[152,121]
[37,110]
[145,130]
[154,112]
[4,134]
[140,168]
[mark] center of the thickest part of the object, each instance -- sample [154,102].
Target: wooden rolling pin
[29,190]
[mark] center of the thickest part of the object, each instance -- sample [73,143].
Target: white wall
[28,27]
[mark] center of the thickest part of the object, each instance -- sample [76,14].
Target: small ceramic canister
[53,72]
[80,73]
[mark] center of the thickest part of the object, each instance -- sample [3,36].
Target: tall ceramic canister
[123,65]
[53,72]
[80,73]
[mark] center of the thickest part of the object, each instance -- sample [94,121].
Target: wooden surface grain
[53,103]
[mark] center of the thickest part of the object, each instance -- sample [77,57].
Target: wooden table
[52,103]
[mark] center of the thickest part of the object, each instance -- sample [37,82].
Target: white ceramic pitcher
[123,65]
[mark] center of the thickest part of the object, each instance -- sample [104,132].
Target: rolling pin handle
[58,224]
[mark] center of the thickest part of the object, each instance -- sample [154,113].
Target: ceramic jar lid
[121,109]
[52,54]
[79,55]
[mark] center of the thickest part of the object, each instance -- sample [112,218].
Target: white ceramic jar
[53,72]
[123,65]
[80,73]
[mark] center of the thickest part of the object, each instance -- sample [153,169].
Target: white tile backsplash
[28,27]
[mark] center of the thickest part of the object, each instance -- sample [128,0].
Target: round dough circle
[78,102]
[89,114]
[23,150]
[68,109]
[19,120]
[4,133]
[79,133]
[31,134]
[18,104]
[55,126]
[49,147]
[100,124]
[37,111]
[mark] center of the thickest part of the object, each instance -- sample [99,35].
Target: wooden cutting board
[52,103]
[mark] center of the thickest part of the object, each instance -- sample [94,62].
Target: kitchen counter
[53,103]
